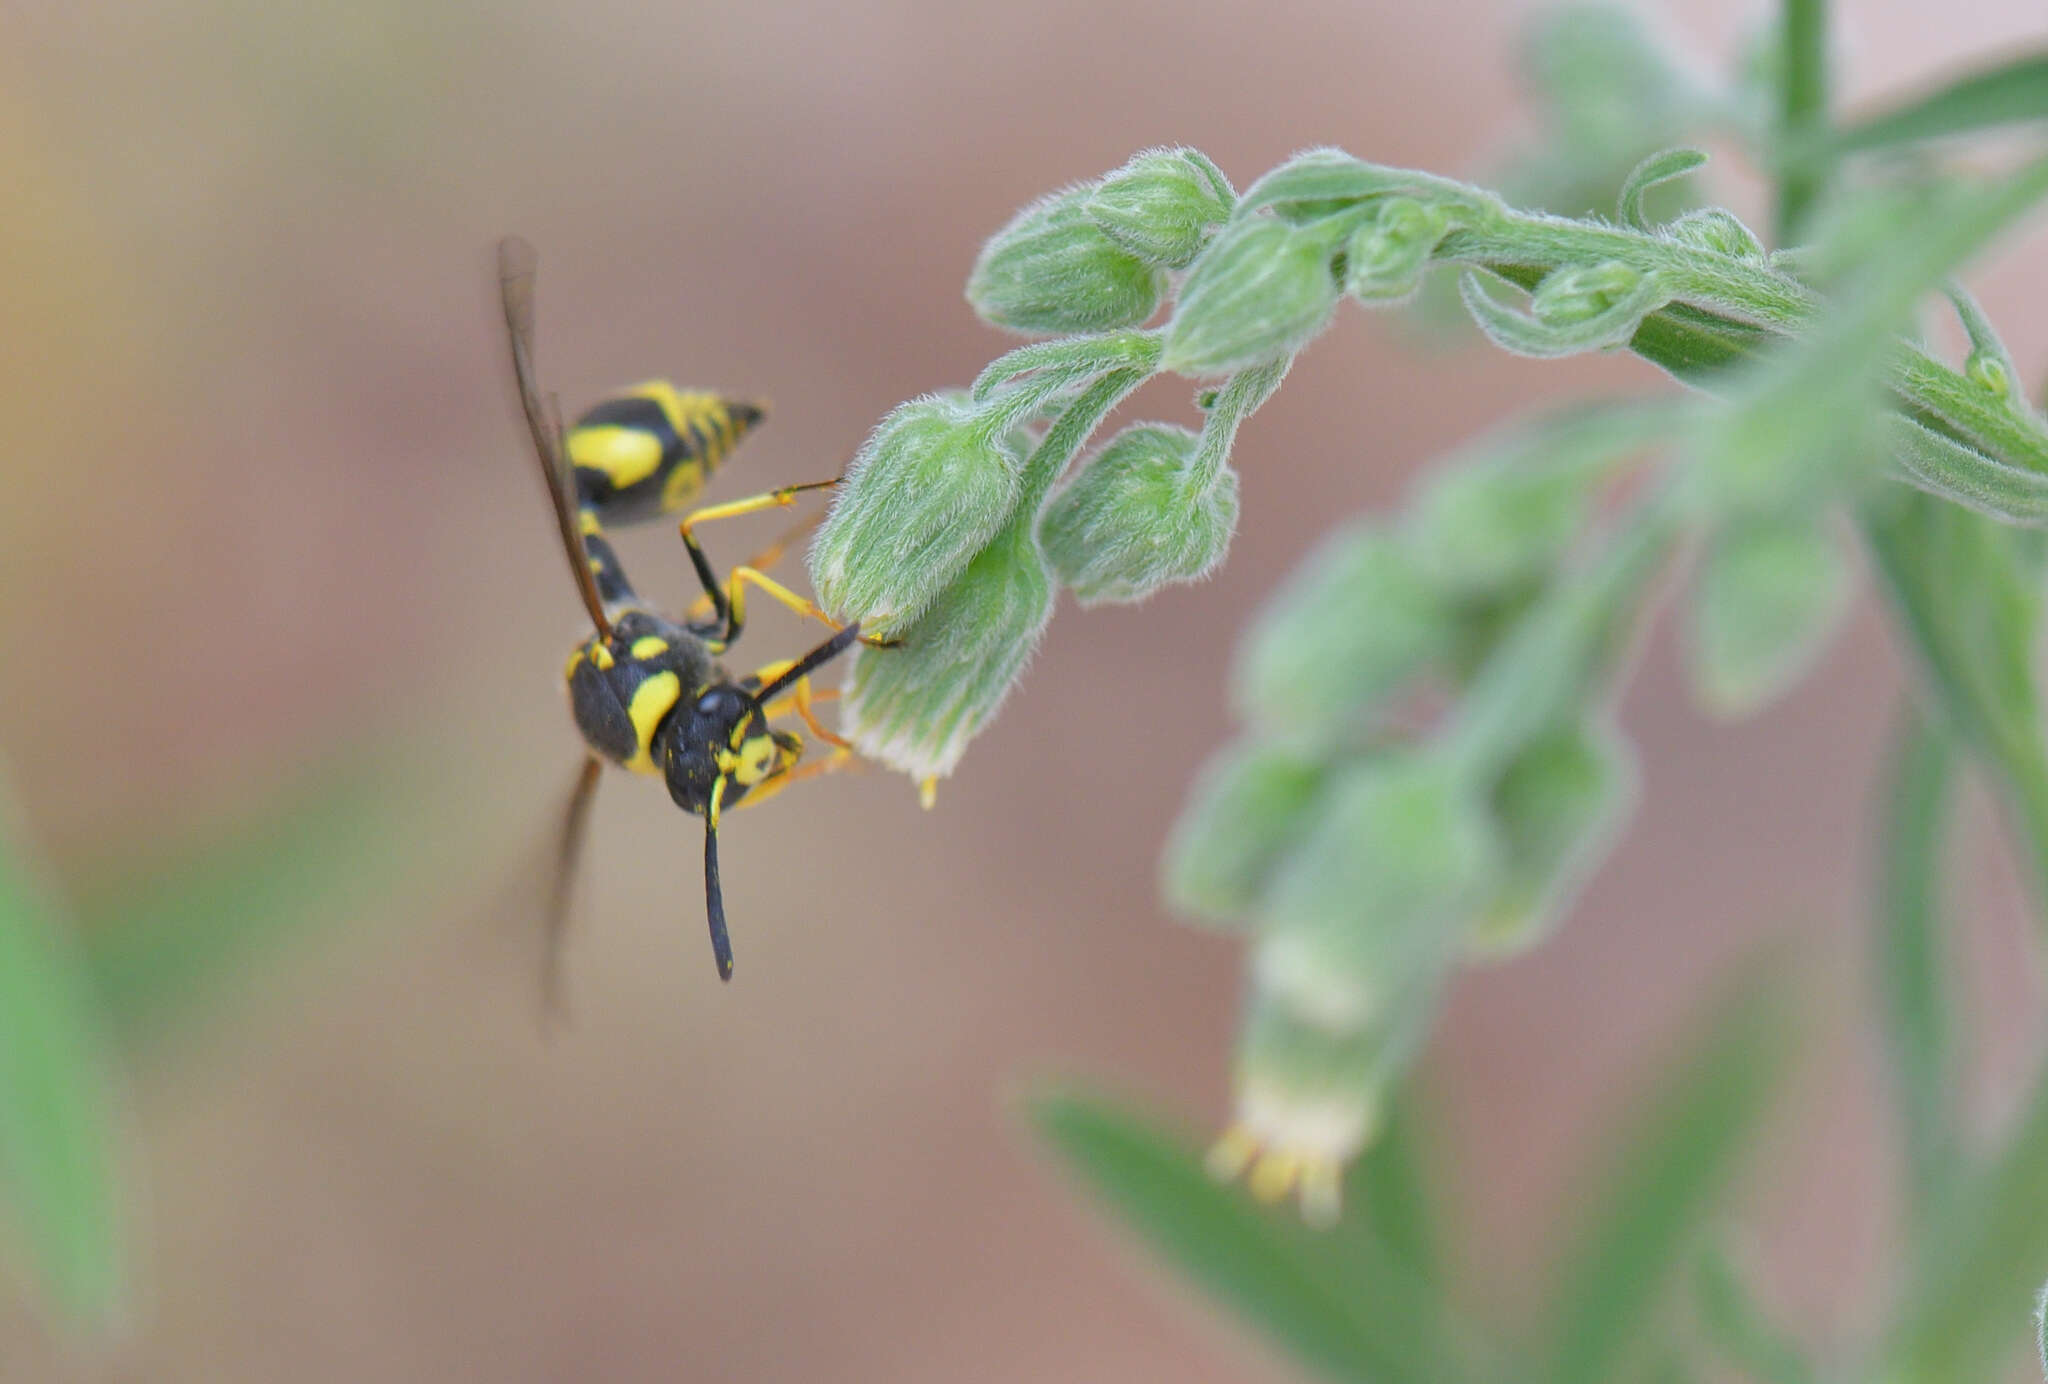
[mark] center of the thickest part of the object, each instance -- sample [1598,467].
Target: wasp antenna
[838,644]
[714,893]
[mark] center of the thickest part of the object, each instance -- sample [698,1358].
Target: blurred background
[271,525]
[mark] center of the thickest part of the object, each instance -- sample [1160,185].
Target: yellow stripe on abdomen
[626,456]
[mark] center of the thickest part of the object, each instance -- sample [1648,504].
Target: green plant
[89,983]
[1363,860]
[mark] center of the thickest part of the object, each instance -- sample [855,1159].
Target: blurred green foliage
[58,1106]
[152,943]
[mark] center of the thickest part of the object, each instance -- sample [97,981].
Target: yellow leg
[771,499]
[744,577]
[768,788]
[782,498]
[702,608]
[800,699]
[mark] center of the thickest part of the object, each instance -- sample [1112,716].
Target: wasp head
[723,734]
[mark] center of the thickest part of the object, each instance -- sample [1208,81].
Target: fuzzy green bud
[1053,269]
[1163,205]
[1259,293]
[1138,516]
[1581,293]
[1494,525]
[1386,256]
[1989,366]
[1320,182]
[1556,809]
[915,706]
[1251,802]
[1718,230]
[1354,625]
[926,491]
[1377,896]
[1987,371]
[1770,593]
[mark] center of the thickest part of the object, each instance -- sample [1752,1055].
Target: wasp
[647,692]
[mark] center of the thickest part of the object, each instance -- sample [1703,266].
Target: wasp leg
[736,606]
[794,678]
[768,788]
[568,851]
[701,608]
[799,699]
[770,499]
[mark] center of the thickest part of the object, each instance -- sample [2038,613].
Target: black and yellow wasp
[647,691]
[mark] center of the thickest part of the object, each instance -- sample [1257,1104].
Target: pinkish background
[268,499]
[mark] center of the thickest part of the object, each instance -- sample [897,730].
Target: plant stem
[1914,999]
[1071,431]
[1748,291]
[1566,647]
[1802,109]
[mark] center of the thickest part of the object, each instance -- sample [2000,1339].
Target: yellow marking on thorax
[648,645]
[626,455]
[652,700]
[586,519]
[569,668]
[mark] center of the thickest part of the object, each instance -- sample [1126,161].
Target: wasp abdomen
[649,449]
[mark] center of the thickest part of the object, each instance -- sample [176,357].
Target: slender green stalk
[1072,431]
[1737,291]
[1729,313]
[1913,992]
[1802,107]
[1563,651]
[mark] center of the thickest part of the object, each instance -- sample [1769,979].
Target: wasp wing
[517,266]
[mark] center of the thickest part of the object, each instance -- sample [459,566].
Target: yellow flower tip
[1232,1154]
[928,792]
[1274,1175]
[1322,1195]
[1276,1171]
